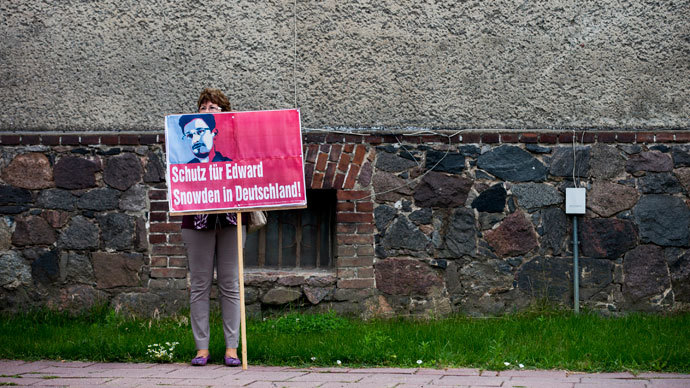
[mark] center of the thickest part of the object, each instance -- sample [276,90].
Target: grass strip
[536,340]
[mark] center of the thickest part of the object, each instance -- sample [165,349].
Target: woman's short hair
[215,96]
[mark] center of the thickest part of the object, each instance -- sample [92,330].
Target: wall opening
[296,239]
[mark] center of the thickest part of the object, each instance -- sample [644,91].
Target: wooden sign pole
[240,267]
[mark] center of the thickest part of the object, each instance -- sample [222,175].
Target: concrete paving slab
[538,383]
[398,378]
[488,381]
[407,371]
[182,375]
[70,381]
[534,373]
[670,383]
[330,377]
[267,384]
[450,372]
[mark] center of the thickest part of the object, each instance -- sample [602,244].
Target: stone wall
[114,65]
[426,224]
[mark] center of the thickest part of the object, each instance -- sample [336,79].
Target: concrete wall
[122,65]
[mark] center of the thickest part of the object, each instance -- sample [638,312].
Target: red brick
[490,138]
[606,137]
[683,137]
[364,207]
[352,138]
[69,140]
[344,162]
[129,139]
[335,138]
[50,140]
[356,283]
[349,148]
[455,139]
[177,273]
[169,250]
[665,137]
[355,217]
[344,195]
[345,206]
[30,140]
[365,228]
[157,194]
[548,138]
[587,137]
[645,137]
[625,137]
[345,251]
[374,140]
[110,139]
[159,261]
[148,139]
[90,140]
[354,239]
[346,273]
[321,162]
[351,177]
[308,174]
[314,138]
[436,139]
[164,227]
[10,139]
[158,216]
[159,205]
[330,174]
[312,152]
[566,138]
[157,238]
[338,181]
[317,182]
[174,218]
[360,152]
[468,137]
[365,250]
[336,150]
[175,238]
[392,139]
[177,262]
[510,138]
[346,228]
[345,262]
[529,137]
[365,273]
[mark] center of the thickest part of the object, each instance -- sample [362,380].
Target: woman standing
[211,241]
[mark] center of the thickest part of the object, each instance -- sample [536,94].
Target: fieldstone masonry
[425,225]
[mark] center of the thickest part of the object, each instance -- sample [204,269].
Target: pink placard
[235,161]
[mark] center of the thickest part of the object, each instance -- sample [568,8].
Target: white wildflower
[338,362]
[506,363]
[521,365]
[419,362]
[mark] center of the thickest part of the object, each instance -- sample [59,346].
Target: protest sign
[234,161]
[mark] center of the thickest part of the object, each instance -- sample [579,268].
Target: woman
[211,240]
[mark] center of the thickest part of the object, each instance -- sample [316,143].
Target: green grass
[539,340]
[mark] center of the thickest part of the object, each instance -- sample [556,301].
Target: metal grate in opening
[301,238]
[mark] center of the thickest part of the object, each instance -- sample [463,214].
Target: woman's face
[209,107]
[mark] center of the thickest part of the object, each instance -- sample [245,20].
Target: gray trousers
[203,246]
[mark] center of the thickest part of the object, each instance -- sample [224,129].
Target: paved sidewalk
[91,374]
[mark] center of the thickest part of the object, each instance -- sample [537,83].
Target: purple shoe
[200,361]
[232,361]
